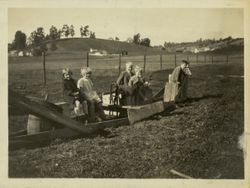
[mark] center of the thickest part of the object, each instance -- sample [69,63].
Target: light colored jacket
[87,90]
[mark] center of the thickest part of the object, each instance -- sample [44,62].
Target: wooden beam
[17,141]
[42,111]
[145,111]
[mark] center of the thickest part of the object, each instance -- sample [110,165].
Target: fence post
[175,60]
[87,59]
[144,65]
[196,58]
[161,61]
[44,69]
[120,63]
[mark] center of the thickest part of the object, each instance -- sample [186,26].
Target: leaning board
[171,91]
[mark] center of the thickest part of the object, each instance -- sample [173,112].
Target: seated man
[180,76]
[140,90]
[122,83]
[87,91]
[70,91]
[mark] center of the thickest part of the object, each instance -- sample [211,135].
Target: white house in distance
[16,53]
[95,52]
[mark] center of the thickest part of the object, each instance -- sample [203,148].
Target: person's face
[129,68]
[184,65]
[139,74]
[67,76]
[88,75]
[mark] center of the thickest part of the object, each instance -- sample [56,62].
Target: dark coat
[178,75]
[69,90]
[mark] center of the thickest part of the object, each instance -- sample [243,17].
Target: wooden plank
[20,141]
[171,90]
[144,111]
[39,110]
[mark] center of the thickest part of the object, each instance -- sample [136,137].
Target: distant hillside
[222,46]
[78,45]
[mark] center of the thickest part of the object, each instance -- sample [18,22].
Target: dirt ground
[199,139]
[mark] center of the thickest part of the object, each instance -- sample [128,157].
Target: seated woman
[87,91]
[140,88]
[70,91]
[122,83]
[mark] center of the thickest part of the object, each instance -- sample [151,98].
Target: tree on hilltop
[54,33]
[136,38]
[72,31]
[145,42]
[92,35]
[65,30]
[84,31]
[19,42]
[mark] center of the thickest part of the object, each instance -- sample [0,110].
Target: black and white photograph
[126,93]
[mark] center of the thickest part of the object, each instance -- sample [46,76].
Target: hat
[186,62]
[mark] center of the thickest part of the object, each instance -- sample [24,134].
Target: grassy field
[200,139]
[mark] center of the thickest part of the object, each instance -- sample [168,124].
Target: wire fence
[30,75]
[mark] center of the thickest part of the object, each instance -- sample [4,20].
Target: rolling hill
[79,45]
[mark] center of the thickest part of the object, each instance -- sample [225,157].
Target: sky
[162,24]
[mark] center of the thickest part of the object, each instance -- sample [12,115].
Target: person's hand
[146,84]
[76,93]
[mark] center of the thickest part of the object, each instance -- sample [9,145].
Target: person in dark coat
[180,76]
[122,83]
[70,90]
[140,88]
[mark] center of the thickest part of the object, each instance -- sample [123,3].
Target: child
[87,91]
[71,91]
[122,83]
[139,87]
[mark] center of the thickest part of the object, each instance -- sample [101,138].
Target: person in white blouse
[87,91]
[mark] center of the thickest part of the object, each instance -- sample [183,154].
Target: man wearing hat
[180,76]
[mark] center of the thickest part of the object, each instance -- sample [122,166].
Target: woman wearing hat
[180,76]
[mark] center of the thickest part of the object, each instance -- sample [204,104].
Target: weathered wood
[171,90]
[18,141]
[144,111]
[18,133]
[39,110]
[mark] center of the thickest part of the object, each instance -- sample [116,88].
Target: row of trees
[141,41]
[38,37]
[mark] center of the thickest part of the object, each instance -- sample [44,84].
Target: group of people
[82,94]
[131,85]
